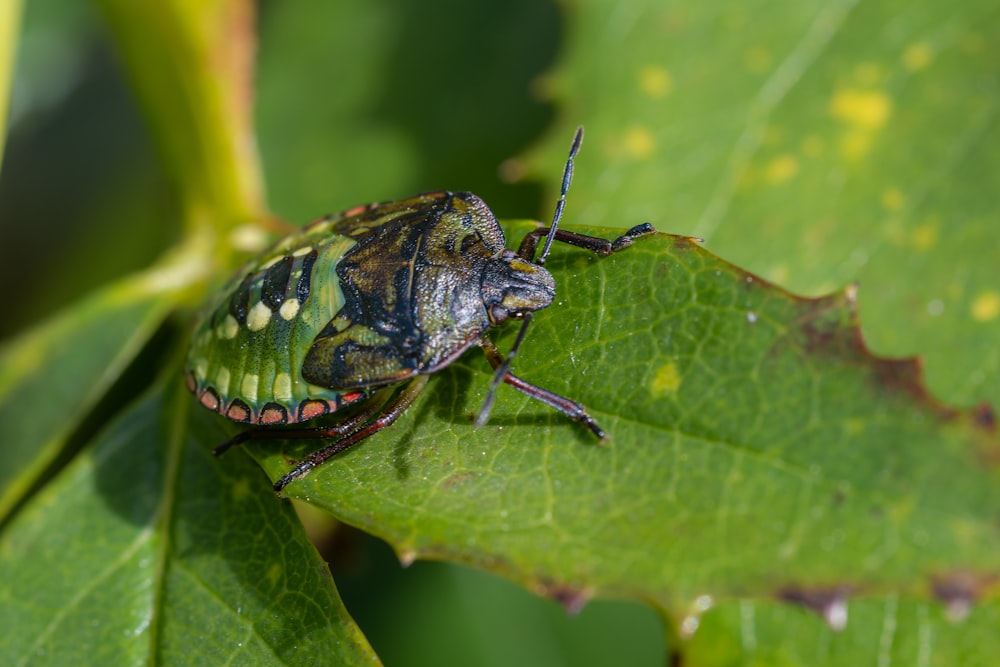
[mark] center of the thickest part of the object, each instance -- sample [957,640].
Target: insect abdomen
[246,359]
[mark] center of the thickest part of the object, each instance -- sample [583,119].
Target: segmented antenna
[504,368]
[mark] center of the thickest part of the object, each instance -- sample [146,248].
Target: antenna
[504,368]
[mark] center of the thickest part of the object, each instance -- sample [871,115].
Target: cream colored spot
[229,328]
[758,60]
[986,306]
[668,379]
[925,235]
[639,142]
[302,251]
[781,169]
[655,81]
[283,387]
[222,380]
[201,368]
[249,387]
[864,109]
[274,574]
[892,199]
[258,317]
[917,56]
[289,309]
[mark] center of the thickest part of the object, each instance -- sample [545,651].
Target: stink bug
[360,308]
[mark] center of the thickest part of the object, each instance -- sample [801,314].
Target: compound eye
[498,314]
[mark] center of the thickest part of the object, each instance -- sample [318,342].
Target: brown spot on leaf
[829,602]
[685,243]
[985,418]
[570,597]
[830,327]
[958,591]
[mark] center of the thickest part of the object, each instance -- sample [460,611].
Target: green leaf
[52,376]
[145,543]
[757,450]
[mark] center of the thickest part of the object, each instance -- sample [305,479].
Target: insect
[359,309]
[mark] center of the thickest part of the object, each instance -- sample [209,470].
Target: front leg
[567,406]
[599,246]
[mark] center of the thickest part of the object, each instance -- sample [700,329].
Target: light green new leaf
[53,375]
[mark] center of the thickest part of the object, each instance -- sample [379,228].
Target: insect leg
[568,407]
[388,413]
[599,246]
[346,425]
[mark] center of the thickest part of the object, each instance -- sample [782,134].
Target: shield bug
[360,308]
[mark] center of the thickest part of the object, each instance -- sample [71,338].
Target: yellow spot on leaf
[655,81]
[892,199]
[274,574]
[864,109]
[258,317]
[249,387]
[986,306]
[917,56]
[667,380]
[289,309]
[639,142]
[781,169]
[925,235]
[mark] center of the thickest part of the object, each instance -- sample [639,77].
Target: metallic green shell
[355,302]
